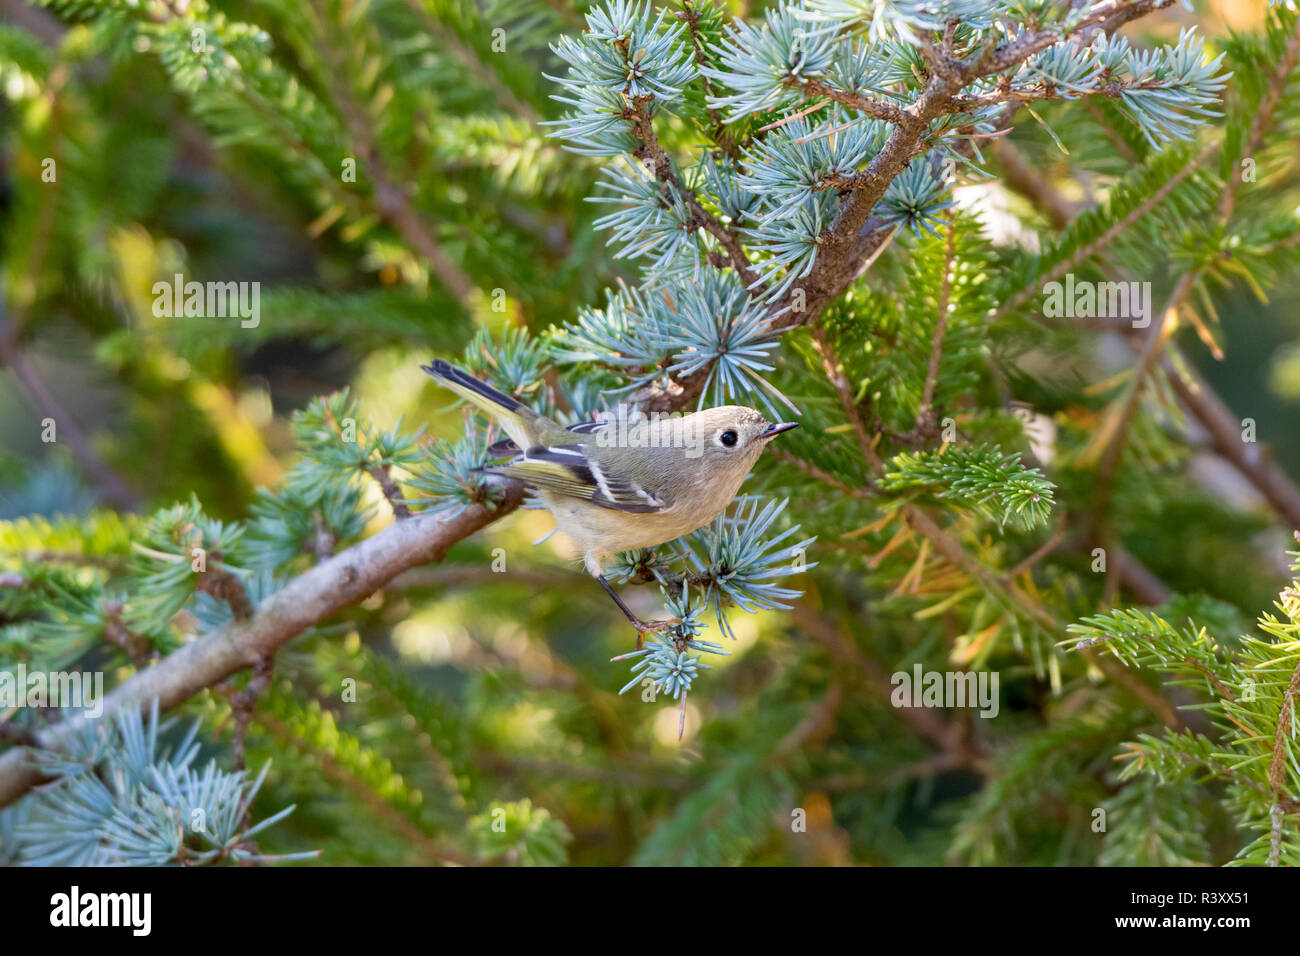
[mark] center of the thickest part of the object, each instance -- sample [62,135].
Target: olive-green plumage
[621,484]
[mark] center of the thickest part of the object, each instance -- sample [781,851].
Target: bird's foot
[653,627]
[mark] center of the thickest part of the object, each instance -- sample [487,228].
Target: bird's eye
[728,438]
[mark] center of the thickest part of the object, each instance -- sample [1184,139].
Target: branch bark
[346,579]
[1225,431]
[843,244]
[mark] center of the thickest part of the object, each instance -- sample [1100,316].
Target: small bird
[622,483]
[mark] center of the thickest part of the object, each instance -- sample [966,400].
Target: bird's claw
[653,627]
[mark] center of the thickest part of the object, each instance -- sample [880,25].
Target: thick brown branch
[1225,431]
[339,582]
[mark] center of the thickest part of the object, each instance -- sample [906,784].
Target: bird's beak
[777,427]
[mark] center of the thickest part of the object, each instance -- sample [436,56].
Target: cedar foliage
[977,485]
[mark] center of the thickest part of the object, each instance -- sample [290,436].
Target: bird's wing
[587,428]
[569,471]
[506,447]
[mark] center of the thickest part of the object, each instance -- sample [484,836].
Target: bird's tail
[518,420]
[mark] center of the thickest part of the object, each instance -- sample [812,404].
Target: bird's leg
[642,627]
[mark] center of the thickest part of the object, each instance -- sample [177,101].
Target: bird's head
[731,437]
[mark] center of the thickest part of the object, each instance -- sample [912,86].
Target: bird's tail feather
[514,416]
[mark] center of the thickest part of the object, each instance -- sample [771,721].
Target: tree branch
[721,135]
[383,474]
[1224,429]
[843,247]
[1108,237]
[470,62]
[661,166]
[346,579]
[392,202]
[948,736]
[876,109]
[925,415]
[112,489]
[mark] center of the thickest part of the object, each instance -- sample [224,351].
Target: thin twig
[1116,432]
[112,489]
[721,135]
[384,475]
[925,415]
[225,586]
[391,201]
[472,64]
[1043,550]
[876,109]
[660,165]
[243,704]
[1277,768]
[1108,237]
[961,749]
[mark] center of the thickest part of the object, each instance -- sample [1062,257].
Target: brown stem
[1110,235]
[381,807]
[112,489]
[1265,115]
[925,414]
[472,64]
[392,202]
[721,135]
[876,109]
[962,750]
[1117,440]
[1278,765]
[660,165]
[1043,550]
[1225,431]
[383,474]
[244,703]
[224,586]
[136,646]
